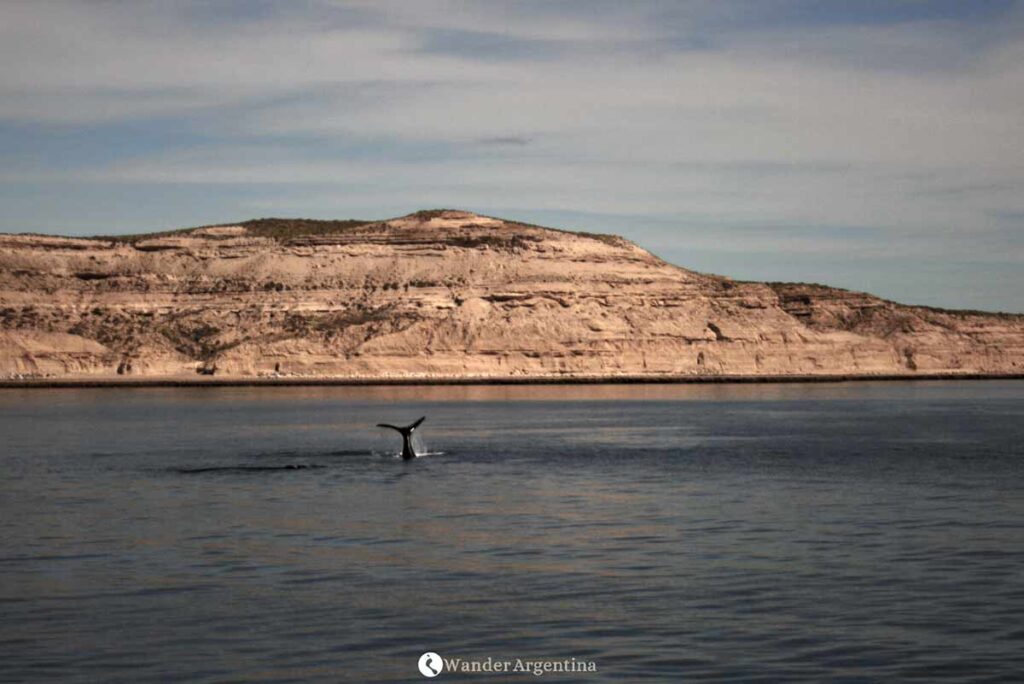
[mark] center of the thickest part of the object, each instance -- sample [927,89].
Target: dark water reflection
[732,533]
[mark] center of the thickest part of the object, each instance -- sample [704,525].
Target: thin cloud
[504,141]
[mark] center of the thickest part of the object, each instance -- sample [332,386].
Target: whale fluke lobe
[408,452]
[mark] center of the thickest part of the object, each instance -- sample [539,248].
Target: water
[866,532]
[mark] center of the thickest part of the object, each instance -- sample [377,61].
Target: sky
[876,145]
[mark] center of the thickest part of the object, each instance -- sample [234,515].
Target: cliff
[446,294]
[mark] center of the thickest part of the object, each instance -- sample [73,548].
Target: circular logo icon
[430,664]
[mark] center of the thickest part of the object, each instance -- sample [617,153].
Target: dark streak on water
[244,469]
[681,533]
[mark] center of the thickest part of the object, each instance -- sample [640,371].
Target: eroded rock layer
[446,294]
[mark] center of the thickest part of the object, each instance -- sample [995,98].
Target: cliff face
[445,294]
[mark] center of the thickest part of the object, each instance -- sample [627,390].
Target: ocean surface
[808,532]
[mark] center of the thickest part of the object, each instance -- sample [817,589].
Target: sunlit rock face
[446,294]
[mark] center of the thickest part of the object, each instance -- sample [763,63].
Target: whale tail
[407,450]
[404,430]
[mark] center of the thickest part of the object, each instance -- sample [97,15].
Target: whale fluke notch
[408,453]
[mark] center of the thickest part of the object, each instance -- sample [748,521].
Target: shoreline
[243,381]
